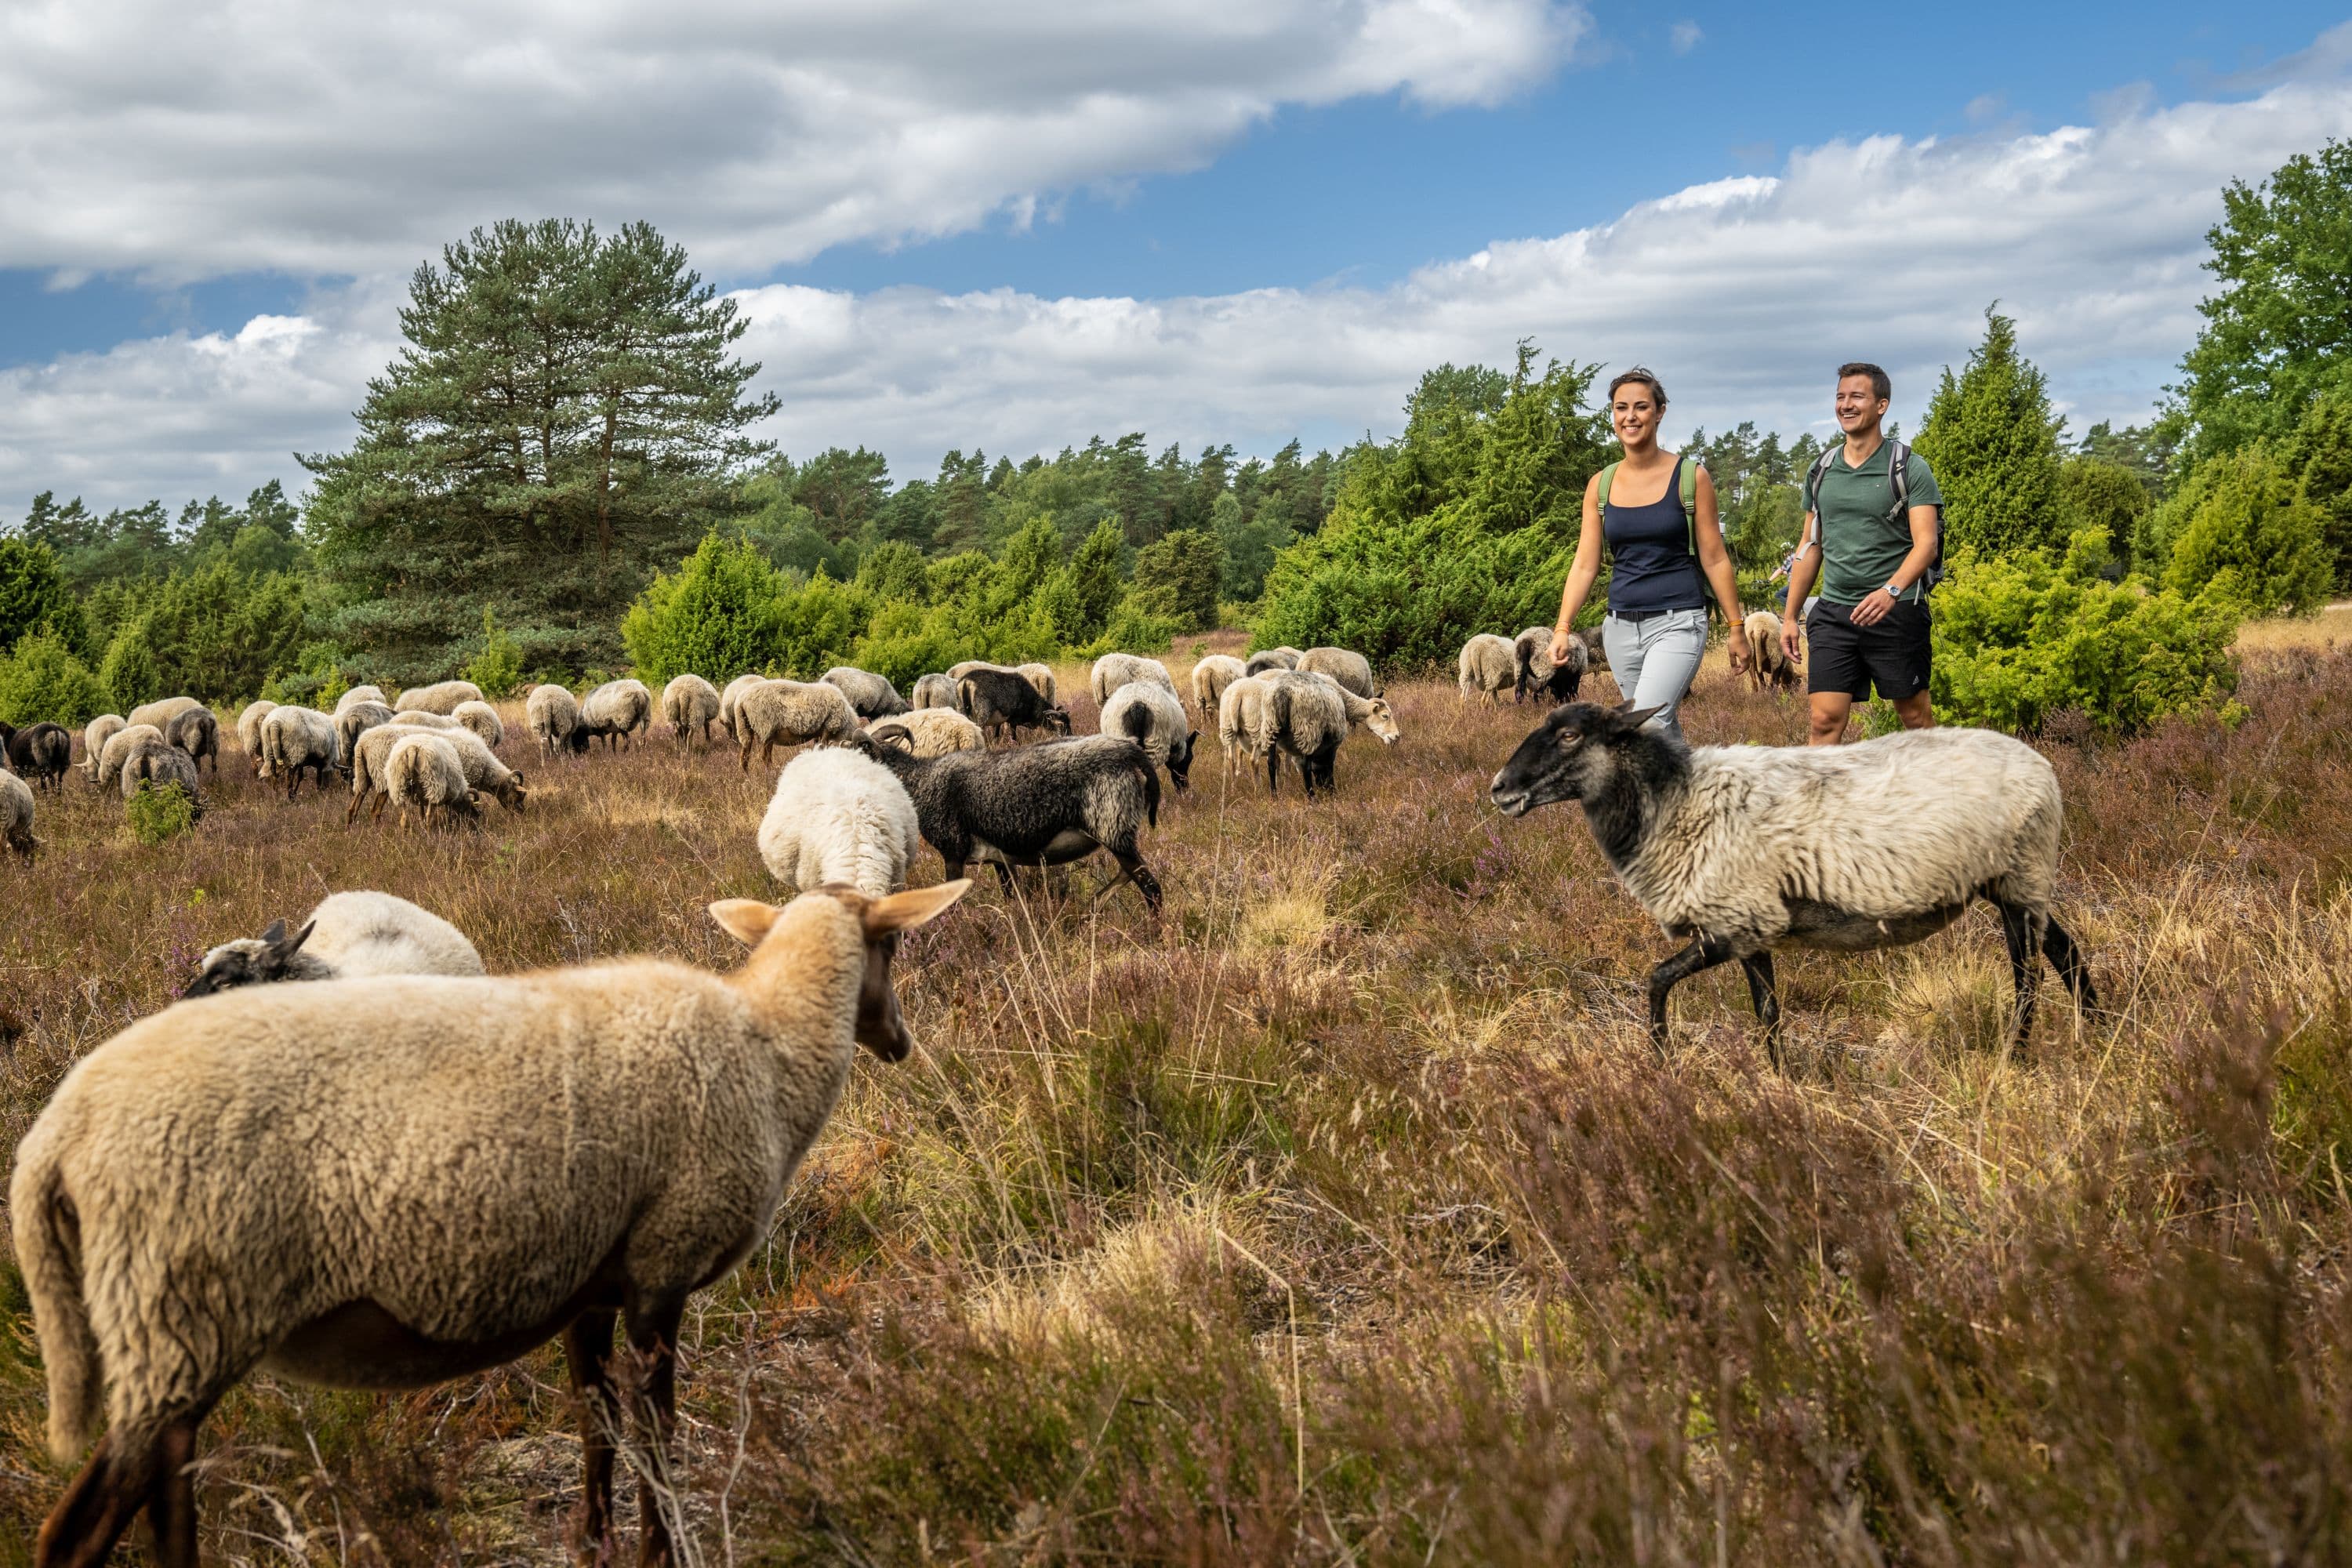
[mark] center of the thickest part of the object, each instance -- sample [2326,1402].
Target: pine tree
[1995,449]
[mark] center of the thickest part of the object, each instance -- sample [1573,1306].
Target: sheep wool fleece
[471,1155]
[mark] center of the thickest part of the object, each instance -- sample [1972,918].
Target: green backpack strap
[1601,496]
[1690,502]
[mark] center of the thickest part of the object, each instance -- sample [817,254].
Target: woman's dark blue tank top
[1651,567]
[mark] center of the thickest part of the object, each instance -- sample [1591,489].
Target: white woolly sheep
[418,719]
[616,711]
[1769,641]
[691,704]
[160,712]
[357,719]
[1538,677]
[366,692]
[16,814]
[94,736]
[872,696]
[839,817]
[294,739]
[731,696]
[1486,669]
[933,691]
[441,697]
[1352,671]
[248,730]
[347,936]
[391,1182]
[932,732]
[1307,714]
[1241,722]
[1743,849]
[1113,670]
[118,749]
[790,713]
[1156,720]
[482,720]
[423,774]
[370,761]
[1211,676]
[554,714]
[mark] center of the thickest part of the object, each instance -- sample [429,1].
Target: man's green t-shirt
[1861,549]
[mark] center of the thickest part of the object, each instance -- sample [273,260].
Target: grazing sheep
[364,693]
[349,935]
[839,817]
[423,774]
[958,671]
[932,732]
[1352,671]
[731,696]
[161,712]
[417,719]
[1211,676]
[40,753]
[94,736]
[1272,658]
[868,693]
[1037,806]
[293,738]
[118,748]
[370,761]
[1308,714]
[1003,700]
[16,814]
[387,1182]
[249,729]
[196,731]
[156,763]
[1485,668]
[357,719]
[616,711]
[934,691]
[1241,722]
[1772,666]
[1537,676]
[554,714]
[1746,849]
[1113,670]
[1040,676]
[441,697]
[790,713]
[1156,720]
[482,720]
[689,703]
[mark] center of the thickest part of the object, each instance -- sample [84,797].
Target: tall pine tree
[1994,445]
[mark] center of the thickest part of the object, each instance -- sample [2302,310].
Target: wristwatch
[1895,589]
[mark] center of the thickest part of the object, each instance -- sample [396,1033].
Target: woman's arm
[1581,573]
[1716,562]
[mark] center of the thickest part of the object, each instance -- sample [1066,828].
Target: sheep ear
[276,934]
[1630,718]
[285,944]
[745,919]
[905,911]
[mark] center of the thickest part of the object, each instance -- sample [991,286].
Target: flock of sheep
[237,1182]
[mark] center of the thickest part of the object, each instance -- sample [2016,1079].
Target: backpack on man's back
[1898,515]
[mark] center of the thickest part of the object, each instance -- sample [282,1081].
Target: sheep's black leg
[2025,974]
[652,1335]
[172,1495]
[1274,774]
[2067,959]
[588,1354]
[81,1531]
[1703,953]
[1131,868]
[1758,966]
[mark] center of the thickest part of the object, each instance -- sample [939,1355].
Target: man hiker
[1873,533]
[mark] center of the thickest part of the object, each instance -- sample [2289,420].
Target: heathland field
[1344,1215]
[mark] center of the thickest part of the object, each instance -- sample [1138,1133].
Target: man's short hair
[1880,387]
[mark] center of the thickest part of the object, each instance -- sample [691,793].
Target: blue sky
[261,221]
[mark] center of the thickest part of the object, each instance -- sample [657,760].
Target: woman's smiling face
[1633,412]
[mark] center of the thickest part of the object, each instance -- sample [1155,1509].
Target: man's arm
[1801,573]
[1879,603]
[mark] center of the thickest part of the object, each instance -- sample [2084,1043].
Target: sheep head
[1572,755]
[1381,720]
[880,1026]
[249,961]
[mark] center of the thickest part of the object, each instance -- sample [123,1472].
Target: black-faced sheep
[1743,849]
[1351,670]
[1211,676]
[1113,670]
[388,1183]
[1037,806]
[554,714]
[196,732]
[1538,677]
[1003,700]
[1486,668]
[347,936]
[869,694]
[441,697]
[1308,715]
[40,753]
[1772,666]
[617,711]
[691,704]
[295,739]
[792,713]
[16,814]
[934,691]
[1040,676]
[932,732]
[1156,720]
[839,817]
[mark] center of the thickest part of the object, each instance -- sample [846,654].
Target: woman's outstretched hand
[1560,643]
[1742,656]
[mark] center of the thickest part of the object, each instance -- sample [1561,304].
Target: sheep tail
[48,1250]
[1151,793]
[1136,723]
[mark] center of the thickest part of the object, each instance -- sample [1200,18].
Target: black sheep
[1043,806]
[1002,698]
[38,753]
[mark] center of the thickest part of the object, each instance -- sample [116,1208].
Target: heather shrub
[42,679]
[2020,637]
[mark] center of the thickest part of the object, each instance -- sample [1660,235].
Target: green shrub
[160,812]
[130,671]
[216,634]
[2254,534]
[1177,577]
[42,679]
[719,614]
[2020,636]
[497,667]
[1135,628]
[35,597]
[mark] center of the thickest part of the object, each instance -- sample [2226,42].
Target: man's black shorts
[1892,654]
